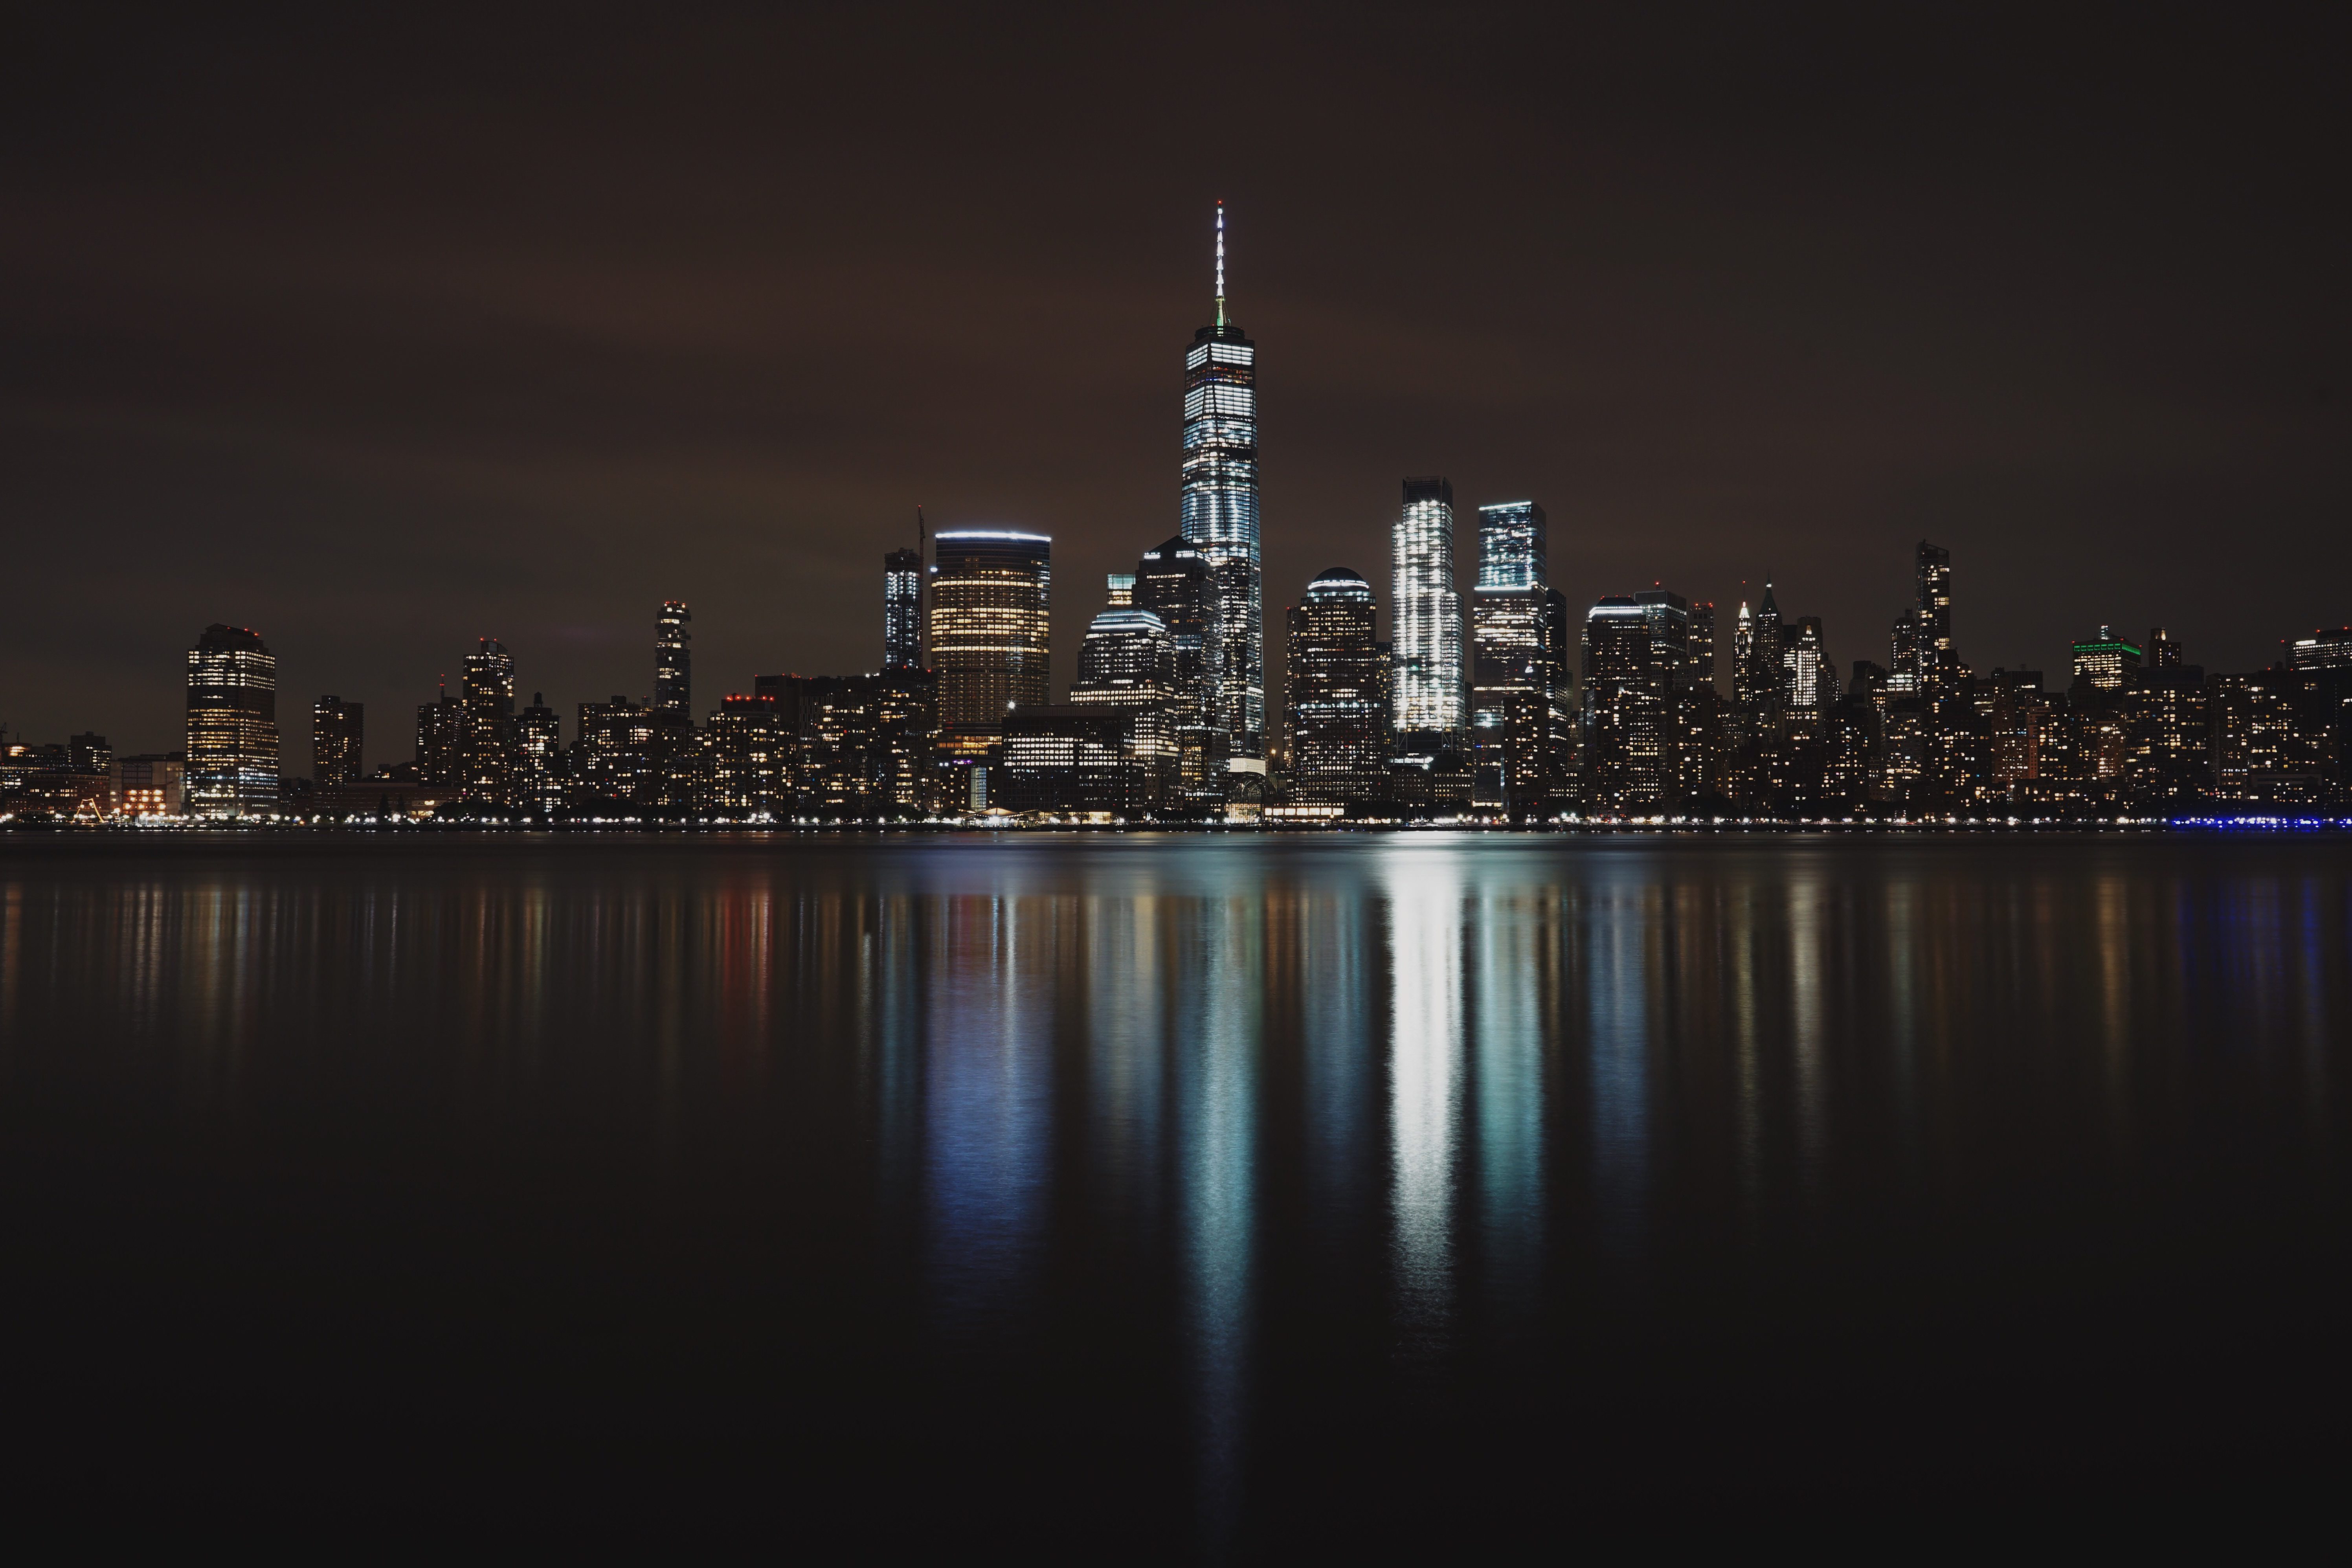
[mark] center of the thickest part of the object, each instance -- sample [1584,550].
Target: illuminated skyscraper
[1128,660]
[1176,583]
[991,638]
[1938,663]
[1220,512]
[1336,697]
[1519,664]
[673,664]
[1426,679]
[1511,547]
[337,730]
[232,725]
[902,610]
[487,749]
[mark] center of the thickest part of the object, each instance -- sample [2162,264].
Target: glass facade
[991,632]
[1427,647]
[1220,511]
[902,610]
[231,769]
[1337,694]
[1128,659]
[1511,547]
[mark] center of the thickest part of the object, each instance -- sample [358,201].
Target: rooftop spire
[1221,264]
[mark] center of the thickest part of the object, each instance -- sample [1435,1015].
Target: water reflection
[1425,957]
[1224,1105]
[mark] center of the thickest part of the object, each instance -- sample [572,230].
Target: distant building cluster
[1511,712]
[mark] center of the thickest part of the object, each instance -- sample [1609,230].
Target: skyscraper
[337,730]
[1625,709]
[1511,547]
[1220,513]
[902,610]
[487,747]
[232,725]
[1427,675]
[1336,697]
[538,756]
[1128,660]
[1938,664]
[672,663]
[1519,669]
[1176,583]
[990,634]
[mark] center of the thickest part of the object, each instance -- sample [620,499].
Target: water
[1159,1196]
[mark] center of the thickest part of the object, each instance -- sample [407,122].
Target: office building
[1934,658]
[992,636]
[1807,679]
[232,757]
[1128,658]
[1756,670]
[539,757]
[1519,668]
[1425,675]
[338,733]
[1337,697]
[1512,548]
[1175,582]
[2104,665]
[902,610]
[673,663]
[1625,711]
[153,784]
[440,741]
[1220,514]
[2325,650]
[1077,759]
[486,763]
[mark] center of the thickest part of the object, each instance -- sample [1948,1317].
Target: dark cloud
[381,330]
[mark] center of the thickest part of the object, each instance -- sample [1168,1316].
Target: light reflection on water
[1234,1098]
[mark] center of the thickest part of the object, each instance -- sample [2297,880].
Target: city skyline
[1724,326]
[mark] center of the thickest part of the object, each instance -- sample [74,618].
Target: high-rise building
[232,762]
[1337,694]
[1624,708]
[2105,665]
[2323,649]
[992,637]
[1425,676]
[747,746]
[440,740]
[1511,547]
[902,610]
[1176,583]
[1519,668]
[538,756]
[1938,663]
[1756,657]
[673,661]
[487,749]
[613,765]
[1220,514]
[1126,660]
[1701,643]
[338,730]
[1808,678]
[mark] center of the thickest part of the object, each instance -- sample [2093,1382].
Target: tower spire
[1221,264]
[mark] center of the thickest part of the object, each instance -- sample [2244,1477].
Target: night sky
[380,335]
